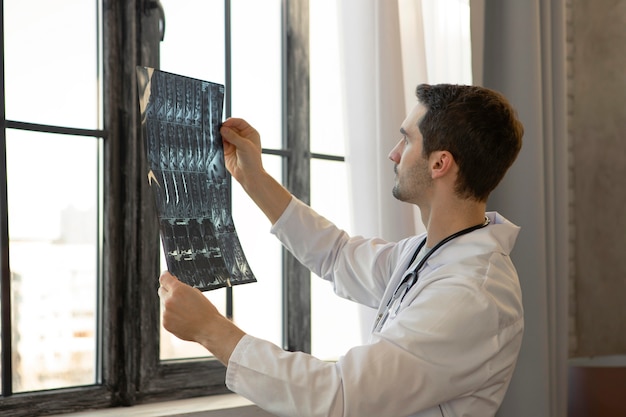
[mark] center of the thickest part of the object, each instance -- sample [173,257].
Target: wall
[597,106]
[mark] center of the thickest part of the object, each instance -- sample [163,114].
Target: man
[450,322]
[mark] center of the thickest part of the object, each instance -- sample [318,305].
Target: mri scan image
[180,120]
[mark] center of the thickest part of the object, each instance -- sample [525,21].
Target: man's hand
[242,157]
[242,149]
[189,315]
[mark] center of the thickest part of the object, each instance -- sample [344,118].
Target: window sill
[213,406]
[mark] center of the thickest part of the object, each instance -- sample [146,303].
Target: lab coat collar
[499,236]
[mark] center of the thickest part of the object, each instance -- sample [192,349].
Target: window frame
[130,217]
[296,167]
[130,370]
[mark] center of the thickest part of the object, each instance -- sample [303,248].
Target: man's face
[413,178]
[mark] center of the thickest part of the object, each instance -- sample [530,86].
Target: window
[51,200]
[255,92]
[78,228]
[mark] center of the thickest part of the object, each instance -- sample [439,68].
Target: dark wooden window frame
[131,370]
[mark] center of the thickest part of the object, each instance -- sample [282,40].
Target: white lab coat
[450,350]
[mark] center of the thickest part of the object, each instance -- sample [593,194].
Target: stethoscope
[393,305]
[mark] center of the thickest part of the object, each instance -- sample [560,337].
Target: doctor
[450,320]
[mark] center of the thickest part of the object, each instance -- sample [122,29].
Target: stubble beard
[419,175]
[395,191]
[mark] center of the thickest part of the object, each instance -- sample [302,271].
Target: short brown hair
[478,127]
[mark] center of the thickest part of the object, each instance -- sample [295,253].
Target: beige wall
[597,124]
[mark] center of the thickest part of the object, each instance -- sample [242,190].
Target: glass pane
[256,67]
[194,39]
[257,307]
[52,207]
[51,62]
[255,38]
[193,47]
[335,322]
[263,252]
[327,134]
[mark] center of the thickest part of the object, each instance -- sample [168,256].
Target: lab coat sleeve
[359,268]
[445,345]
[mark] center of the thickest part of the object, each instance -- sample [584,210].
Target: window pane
[52,207]
[256,67]
[263,252]
[194,47]
[327,135]
[257,307]
[51,62]
[194,39]
[335,323]
[255,38]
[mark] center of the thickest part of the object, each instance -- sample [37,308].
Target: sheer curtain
[386,49]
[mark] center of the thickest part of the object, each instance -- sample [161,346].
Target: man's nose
[394,155]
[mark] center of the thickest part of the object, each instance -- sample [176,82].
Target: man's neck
[444,221]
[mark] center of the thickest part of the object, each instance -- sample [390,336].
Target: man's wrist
[268,194]
[221,338]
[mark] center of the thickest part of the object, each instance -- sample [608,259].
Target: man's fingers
[167,280]
[236,130]
[231,135]
[162,292]
[236,123]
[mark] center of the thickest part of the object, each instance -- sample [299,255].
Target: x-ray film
[180,119]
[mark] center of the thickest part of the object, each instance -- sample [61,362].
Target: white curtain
[386,49]
[374,108]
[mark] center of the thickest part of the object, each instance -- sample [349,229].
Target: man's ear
[441,163]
